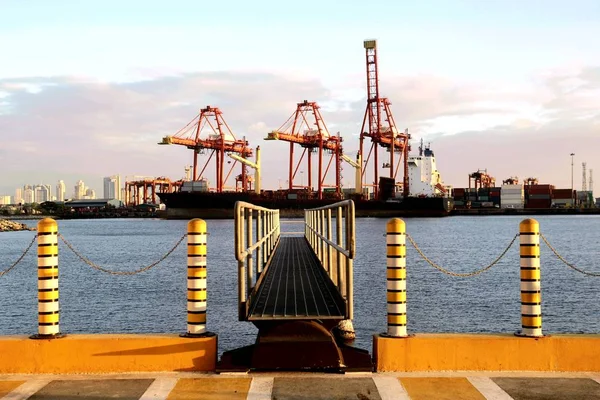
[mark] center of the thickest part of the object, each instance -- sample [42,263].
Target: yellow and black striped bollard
[396,278]
[48,307]
[196,278]
[531,291]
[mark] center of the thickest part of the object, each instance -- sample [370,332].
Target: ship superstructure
[424,178]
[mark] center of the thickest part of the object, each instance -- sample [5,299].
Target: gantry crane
[381,127]
[209,131]
[306,128]
[481,179]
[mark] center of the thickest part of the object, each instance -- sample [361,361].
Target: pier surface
[302,386]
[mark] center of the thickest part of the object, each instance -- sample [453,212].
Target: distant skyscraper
[28,194]
[61,189]
[19,196]
[79,190]
[90,194]
[112,187]
[42,193]
[5,200]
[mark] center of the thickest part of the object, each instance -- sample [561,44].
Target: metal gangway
[296,288]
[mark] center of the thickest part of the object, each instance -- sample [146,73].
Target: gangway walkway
[296,286]
[296,290]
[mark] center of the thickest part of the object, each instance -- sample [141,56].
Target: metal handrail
[319,234]
[258,235]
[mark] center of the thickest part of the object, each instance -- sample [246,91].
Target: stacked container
[563,198]
[512,196]
[459,197]
[495,196]
[539,196]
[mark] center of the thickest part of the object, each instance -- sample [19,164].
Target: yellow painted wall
[107,353]
[487,352]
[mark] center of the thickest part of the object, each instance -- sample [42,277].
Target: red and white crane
[307,128]
[209,131]
[380,127]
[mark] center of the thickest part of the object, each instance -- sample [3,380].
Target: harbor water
[155,301]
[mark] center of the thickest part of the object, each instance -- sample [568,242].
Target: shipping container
[540,197]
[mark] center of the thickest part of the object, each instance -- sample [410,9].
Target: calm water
[94,302]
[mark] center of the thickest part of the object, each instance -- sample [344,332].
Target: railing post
[329,237]
[337,276]
[48,306]
[396,278]
[259,236]
[249,263]
[241,266]
[531,291]
[350,243]
[196,278]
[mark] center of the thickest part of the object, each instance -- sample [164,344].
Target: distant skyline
[87,89]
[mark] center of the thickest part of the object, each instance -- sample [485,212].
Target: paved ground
[174,386]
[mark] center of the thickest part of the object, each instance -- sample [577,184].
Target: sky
[88,89]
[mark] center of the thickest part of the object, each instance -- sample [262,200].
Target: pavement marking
[260,389]
[211,388]
[390,388]
[488,388]
[27,389]
[8,386]
[440,389]
[159,389]
[597,379]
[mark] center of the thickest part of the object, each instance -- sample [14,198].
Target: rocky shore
[7,226]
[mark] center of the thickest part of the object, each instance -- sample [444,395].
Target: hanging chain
[137,271]
[6,271]
[565,261]
[466,274]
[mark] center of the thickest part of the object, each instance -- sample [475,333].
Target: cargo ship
[427,197]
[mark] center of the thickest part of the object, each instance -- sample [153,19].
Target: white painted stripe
[395,239]
[48,283]
[48,261]
[396,285]
[48,329]
[196,261]
[396,308]
[530,262]
[27,389]
[196,329]
[48,307]
[201,238]
[531,310]
[397,331]
[597,379]
[390,388]
[488,388]
[532,332]
[260,389]
[159,389]
[529,239]
[196,306]
[196,283]
[531,285]
[48,239]
[396,262]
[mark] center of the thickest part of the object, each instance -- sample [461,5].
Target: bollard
[531,293]
[196,279]
[48,307]
[396,278]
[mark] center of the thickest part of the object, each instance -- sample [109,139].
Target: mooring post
[531,290]
[196,278]
[396,277]
[48,306]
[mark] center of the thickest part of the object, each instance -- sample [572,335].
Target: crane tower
[379,125]
[209,131]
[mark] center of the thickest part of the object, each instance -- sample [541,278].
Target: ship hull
[186,205]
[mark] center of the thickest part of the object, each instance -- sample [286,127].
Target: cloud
[53,127]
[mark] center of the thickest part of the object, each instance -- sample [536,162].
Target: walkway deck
[296,286]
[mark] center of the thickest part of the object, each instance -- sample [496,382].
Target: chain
[462,275]
[20,258]
[565,261]
[137,271]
